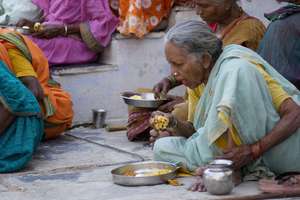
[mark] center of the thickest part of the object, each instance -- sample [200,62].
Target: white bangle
[66,29]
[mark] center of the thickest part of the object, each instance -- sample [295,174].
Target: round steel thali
[144,173]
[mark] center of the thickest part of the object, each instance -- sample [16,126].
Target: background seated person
[280,45]
[21,127]
[138,18]
[72,31]
[28,63]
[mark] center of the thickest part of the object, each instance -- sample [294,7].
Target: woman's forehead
[175,49]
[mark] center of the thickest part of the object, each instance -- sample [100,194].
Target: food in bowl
[146,172]
[136,97]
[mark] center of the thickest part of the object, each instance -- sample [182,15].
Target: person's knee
[160,147]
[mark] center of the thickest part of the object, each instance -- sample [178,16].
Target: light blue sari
[20,139]
[236,88]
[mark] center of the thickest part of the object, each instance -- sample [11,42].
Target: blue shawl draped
[20,139]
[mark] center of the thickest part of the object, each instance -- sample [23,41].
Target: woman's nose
[174,72]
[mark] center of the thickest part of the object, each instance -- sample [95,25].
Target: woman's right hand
[162,87]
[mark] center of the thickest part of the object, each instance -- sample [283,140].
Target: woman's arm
[183,128]
[289,122]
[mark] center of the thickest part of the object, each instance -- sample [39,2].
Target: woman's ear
[206,60]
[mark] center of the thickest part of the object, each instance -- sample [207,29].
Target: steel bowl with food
[143,100]
[144,173]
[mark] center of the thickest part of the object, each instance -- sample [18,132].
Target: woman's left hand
[240,156]
[171,119]
[50,31]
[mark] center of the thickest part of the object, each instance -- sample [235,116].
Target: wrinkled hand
[50,31]
[162,87]
[240,156]
[155,135]
[34,86]
[173,100]
[170,117]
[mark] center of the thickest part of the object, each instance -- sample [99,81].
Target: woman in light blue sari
[248,112]
[21,127]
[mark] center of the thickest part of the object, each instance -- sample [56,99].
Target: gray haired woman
[247,113]
[232,25]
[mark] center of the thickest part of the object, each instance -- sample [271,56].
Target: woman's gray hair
[196,38]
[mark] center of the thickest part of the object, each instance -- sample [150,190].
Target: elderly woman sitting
[248,112]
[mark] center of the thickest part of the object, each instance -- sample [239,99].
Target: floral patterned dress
[139,17]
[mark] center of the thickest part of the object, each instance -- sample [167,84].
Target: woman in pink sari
[72,31]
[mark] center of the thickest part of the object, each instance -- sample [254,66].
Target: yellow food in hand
[160,122]
[136,97]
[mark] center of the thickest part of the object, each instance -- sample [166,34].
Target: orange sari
[57,104]
[139,17]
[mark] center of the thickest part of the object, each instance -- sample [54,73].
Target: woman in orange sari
[27,62]
[139,17]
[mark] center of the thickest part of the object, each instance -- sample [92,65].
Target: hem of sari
[89,39]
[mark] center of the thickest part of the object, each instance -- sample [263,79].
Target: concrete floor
[77,166]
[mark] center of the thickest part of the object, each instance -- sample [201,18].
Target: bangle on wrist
[37,27]
[256,150]
[66,29]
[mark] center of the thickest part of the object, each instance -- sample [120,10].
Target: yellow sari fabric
[21,66]
[246,31]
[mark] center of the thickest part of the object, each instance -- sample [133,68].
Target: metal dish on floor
[146,100]
[144,173]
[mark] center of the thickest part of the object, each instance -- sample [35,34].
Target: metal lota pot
[218,177]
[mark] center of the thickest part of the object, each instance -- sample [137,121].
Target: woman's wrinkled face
[211,12]
[185,67]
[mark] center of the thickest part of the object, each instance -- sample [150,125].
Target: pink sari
[97,23]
